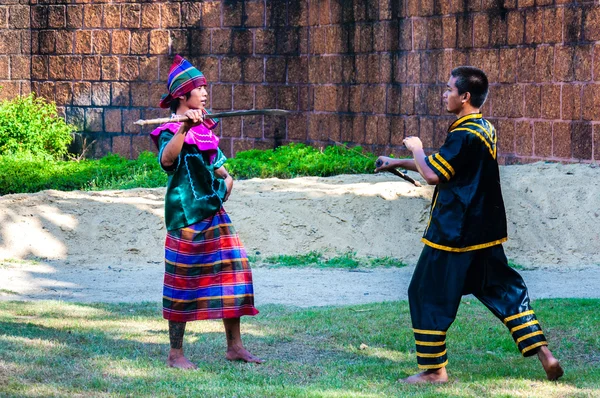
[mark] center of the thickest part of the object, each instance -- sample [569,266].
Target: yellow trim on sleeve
[528,336]
[523,326]
[435,366]
[522,314]
[423,331]
[463,249]
[531,347]
[435,164]
[440,159]
[430,343]
[432,355]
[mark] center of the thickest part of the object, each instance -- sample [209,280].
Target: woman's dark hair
[175,102]
[472,80]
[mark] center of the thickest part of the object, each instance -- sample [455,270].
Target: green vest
[194,192]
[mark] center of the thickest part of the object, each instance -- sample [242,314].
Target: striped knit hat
[183,78]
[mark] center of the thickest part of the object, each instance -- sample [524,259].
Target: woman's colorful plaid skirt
[207,275]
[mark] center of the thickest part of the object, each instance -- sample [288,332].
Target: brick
[561,138]
[487,60]
[552,28]
[74,17]
[100,42]
[524,138]
[591,23]
[142,143]
[209,67]
[231,127]
[4,67]
[75,116]
[275,127]
[252,70]
[526,64]
[505,131]
[481,27]
[231,69]
[265,97]
[596,139]
[252,126]
[64,93]
[140,95]
[265,41]
[571,101]
[150,16]
[56,16]
[91,68]
[544,64]
[73,67]
[591,102]
[287,98]
[148,68]
[93,119]
[464,31]
[83,42]
[120,95]
[542,138]
[550,94]
[39,67]
[413,68]
[112,16]
[110,68]
[515,27]
[131,15]
[64,42]
[19,17]
[56,67]
[232,13]
[170,15]
[47,43]
[191,14]
[243,97]
[449,31]
[100,94]
[565,65]
[82,93]
[581,140]
[297,125]
[130,116]
[121,145]
[139,42]
[533,101]
[20,67]
[221,41]
[211,14]
[254,14]
[275,70]
[242,41]
[159,42]
[533,22]
[573,22]
[221,96]
[419,34]
[39,17]
[112,121]
[507,108]
[200,39]
[92,16]
[179,41]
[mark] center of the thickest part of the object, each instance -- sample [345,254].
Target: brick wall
[362,72]
[15,48]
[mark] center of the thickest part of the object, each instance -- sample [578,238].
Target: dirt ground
[108,246]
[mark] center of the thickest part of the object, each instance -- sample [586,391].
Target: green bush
[31,125]
[26,173]
[296,160]
[22,172]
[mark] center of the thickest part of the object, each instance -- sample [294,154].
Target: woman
[206,269]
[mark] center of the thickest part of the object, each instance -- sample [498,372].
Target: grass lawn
[63,349]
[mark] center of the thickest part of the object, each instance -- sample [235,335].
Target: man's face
[452,99]
[198,98]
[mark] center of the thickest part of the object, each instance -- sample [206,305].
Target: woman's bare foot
[241,354]
[428,376]
[177,360]
[551,365]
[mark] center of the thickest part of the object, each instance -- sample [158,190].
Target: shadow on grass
[63,349]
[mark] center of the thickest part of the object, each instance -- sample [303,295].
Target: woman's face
[198,98]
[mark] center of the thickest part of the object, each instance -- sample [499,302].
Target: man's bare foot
[428,376]
[551,365]
[241,354]
[177,360]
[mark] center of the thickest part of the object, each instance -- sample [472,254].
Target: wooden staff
[251,112]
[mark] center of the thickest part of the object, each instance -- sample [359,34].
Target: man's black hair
[473,80]
[175,102]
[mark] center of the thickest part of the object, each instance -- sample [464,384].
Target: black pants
[440,280]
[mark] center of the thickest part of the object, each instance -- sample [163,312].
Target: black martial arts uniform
[463,251]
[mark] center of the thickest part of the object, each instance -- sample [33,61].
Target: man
[463,251]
